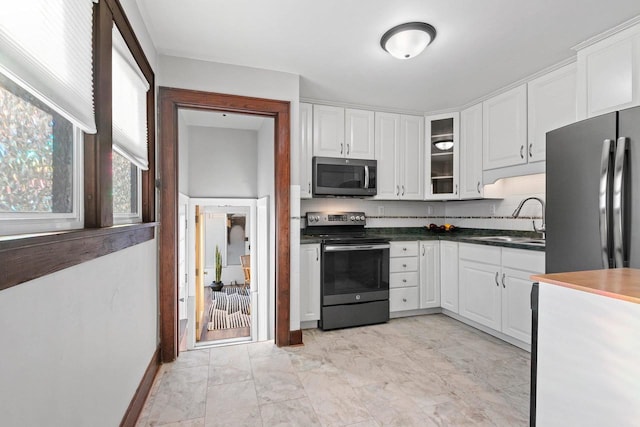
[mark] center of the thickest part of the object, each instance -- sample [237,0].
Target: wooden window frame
[27,258]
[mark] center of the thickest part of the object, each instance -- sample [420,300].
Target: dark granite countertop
[464,235]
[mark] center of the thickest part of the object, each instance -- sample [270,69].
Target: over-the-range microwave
[335,176]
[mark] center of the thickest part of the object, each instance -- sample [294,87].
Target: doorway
[171,99]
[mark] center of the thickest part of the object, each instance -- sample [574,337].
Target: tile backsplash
[494,212]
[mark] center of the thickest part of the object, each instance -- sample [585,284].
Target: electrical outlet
[380,210]
[492,209]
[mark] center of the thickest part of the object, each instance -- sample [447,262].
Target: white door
[505,129]
[387,137]
[480,293]
[328,131]
[359,131]
[516,303]
[551,104]
[183,207]
[429,274]
[411,154]
[471,153]
[449,275]
[309,282]
[306,149]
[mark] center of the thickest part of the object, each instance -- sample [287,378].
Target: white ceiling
[221,120]
[334,45]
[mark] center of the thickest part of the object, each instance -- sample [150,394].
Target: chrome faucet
[516,213]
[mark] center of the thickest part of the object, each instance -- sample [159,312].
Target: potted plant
[217,284]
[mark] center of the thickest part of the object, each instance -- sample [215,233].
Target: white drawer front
[480,253]
[399,249]
[399,265]
[522,259]
[400,280]
[403,299]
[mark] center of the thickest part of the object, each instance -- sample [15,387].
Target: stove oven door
[354,273]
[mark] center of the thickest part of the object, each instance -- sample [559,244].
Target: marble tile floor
[417,371]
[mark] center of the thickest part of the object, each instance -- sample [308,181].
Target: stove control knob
[358,218]
[352,218]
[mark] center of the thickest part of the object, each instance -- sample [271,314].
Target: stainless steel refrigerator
[593,193]
[593,203]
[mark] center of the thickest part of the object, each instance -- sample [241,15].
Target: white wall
[236,80]
[496,213]
[222,162]
[183,155]
[77,342]
[135,18]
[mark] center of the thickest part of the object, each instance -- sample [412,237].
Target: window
[129,109]
[39,165]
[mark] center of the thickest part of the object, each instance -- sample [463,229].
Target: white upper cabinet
[442,150]
[505,129]
[328,131]
[339,132]
[306,149]
[609,74]
[551,104]
[360,142]
[411,154]
[399,142]
[471,153]
[387,137]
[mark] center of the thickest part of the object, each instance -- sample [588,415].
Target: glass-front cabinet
[442,148]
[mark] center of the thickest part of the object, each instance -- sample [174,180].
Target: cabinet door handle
[347,149]
[317,254]
[341,148]
[522,151]
[404,280]
[397,190]
[477,187]
[503,285]
[404,265]
[403,190]
[309,187]
[422,250]
[404,249]
[497,284]
[531,150]
[404,300]
[456,192]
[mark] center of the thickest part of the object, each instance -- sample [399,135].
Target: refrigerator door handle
[618,178]
[602,201]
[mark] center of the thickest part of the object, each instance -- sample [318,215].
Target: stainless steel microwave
[335,176]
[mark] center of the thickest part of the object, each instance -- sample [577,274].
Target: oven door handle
[345,248]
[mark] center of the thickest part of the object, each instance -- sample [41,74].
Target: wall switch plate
[380,210]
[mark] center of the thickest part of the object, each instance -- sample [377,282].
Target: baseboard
[295,337]
[140,396]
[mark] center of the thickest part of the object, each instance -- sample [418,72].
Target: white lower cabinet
[403,276]
[449,275]
[309,282]
[495,287]
[429,274]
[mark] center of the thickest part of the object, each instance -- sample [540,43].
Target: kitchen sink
[511,239]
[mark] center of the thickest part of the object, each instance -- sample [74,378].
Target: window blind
[129,104]
[46,47]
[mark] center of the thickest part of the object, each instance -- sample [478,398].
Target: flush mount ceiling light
[407,40]
[444,144]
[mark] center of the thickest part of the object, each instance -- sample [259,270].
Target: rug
[230,308]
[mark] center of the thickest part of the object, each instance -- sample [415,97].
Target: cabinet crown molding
[608,33]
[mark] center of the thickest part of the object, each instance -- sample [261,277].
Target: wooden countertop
[619,283]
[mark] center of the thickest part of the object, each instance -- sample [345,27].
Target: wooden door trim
[170,100]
